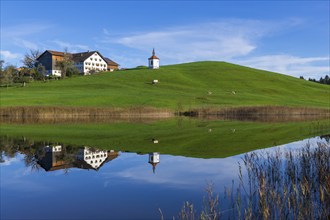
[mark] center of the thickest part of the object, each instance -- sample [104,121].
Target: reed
[53,114]
[256,111]
[280,185]
[50,112]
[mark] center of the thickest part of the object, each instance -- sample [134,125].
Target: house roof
[111,62]
[58,53]
[76,57]
[53,52]
[81,57]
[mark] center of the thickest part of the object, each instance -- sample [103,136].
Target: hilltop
[181,86]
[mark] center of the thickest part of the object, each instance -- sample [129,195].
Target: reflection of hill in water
[185,137]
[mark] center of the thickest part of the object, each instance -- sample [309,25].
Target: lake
[127,170]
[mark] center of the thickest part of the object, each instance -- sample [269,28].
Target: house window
[91,58]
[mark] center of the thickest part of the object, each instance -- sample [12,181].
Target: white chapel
[154,160]
[153,61]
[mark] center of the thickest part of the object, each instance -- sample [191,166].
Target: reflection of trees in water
[31,161]
[8,148]
[49,156]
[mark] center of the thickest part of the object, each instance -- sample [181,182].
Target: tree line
[325,80]
[33,70]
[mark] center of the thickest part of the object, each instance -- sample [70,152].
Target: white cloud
[7,55]
[105,31]
[209,41]
[21,30]
[313,67]
[229,40]
[9,161]
[221,40]
[73,48]
[179,171]
[26,44]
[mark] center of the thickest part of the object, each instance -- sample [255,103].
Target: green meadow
[179,136]
[180,87]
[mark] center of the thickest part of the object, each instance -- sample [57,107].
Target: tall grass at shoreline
[255,111]
[98,114]
[46,112]
[292,184]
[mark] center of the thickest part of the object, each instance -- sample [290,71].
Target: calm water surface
[58,181]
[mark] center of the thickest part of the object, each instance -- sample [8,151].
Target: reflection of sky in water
[123,188]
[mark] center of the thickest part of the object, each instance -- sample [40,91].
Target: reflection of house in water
[154,160]
[52,158]
[95,159]
[56,158]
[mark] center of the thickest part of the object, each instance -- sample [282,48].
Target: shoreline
[54,114]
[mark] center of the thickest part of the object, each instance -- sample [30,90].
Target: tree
[7,75]
[30,59]
[327,80]
[72,70]
[1,65]
[41,72]
[66,63]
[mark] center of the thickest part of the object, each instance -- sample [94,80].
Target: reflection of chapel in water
[56,158]
[154,160]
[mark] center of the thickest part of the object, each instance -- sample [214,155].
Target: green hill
[182,86]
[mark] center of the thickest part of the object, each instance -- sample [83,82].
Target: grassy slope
[181,86]
[176,137]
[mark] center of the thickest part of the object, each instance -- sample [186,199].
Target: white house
[153,61]
[89,61]
[85,62]
[94,158]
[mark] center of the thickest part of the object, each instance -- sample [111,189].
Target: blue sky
[290,37]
